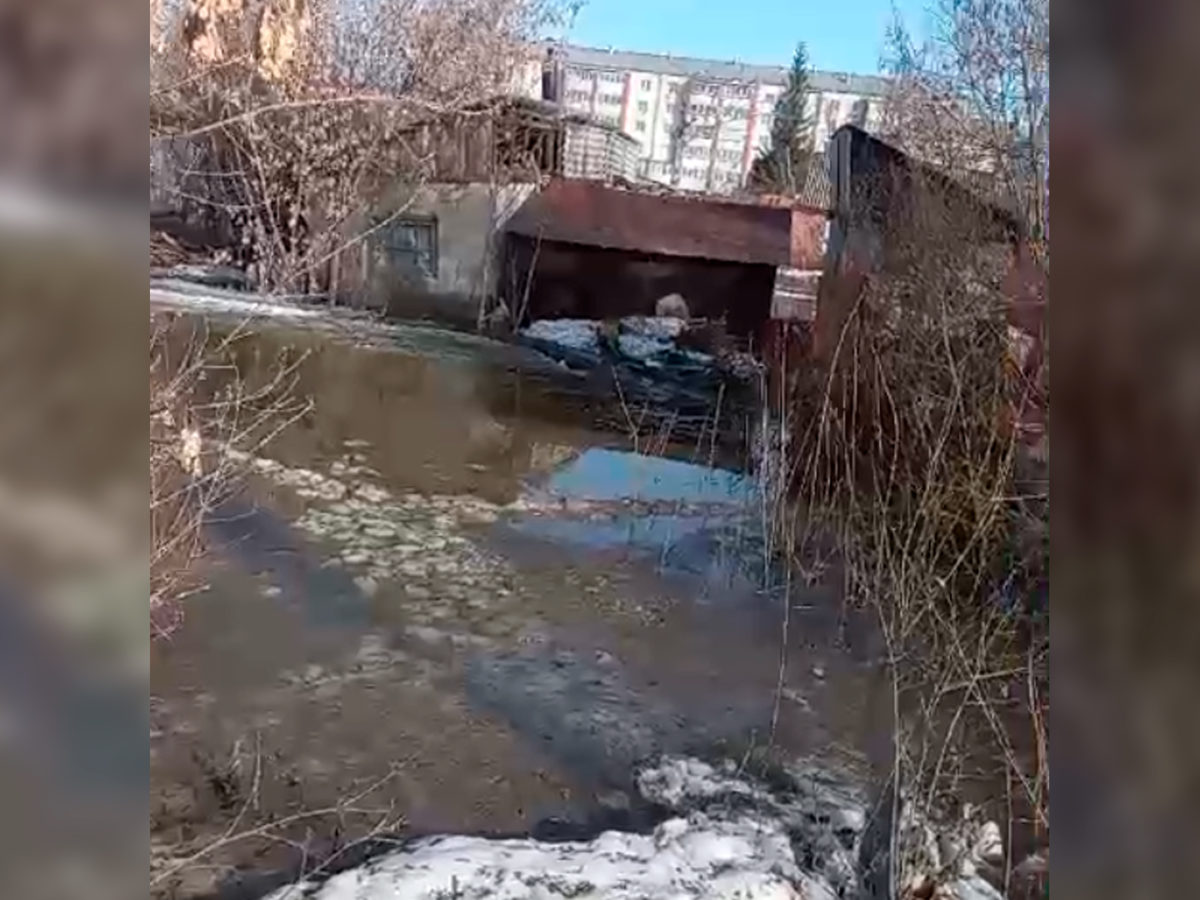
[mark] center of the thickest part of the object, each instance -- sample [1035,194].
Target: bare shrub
[908,467]
[281,118]
[974,100]
[316,841]
[907,454]
[199,412]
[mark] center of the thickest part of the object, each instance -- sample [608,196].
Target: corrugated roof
[593,214]
[717,70]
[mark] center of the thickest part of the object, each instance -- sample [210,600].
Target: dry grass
[311,842]
[903,455]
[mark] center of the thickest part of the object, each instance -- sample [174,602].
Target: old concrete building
[433,236]
[698,123]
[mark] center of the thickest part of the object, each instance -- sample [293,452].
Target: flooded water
[447,584]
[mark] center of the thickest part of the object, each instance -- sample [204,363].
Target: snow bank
[684,858]
[820,810]
[716,849]
[726,837]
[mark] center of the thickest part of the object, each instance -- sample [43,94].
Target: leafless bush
[974,99]
[907,451]
[282,117]
[199,410]
[317,841]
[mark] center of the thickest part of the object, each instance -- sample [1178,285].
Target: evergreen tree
[783,166]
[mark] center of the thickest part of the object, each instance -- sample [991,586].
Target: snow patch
[684,858]
[726,838]
[678,781]
[250,305]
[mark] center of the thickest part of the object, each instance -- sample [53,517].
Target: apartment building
[699,123]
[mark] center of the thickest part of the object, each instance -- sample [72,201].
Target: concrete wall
[467,219]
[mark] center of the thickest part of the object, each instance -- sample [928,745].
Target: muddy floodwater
[453,590]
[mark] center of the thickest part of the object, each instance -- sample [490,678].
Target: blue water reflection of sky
[602,474]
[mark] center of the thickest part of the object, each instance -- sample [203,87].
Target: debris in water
[575,334]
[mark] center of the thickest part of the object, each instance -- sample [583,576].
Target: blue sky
[842,35]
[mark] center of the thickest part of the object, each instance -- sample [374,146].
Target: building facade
[699,123]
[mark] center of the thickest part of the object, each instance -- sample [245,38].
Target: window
[643,107]
[640,125]
[410,245]
[646,84]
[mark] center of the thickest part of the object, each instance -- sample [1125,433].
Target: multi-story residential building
[699,123]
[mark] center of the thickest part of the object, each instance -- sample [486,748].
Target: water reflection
[602,474]
[439,411]
[686,519]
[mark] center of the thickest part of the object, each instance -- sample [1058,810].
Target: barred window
[410,244]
